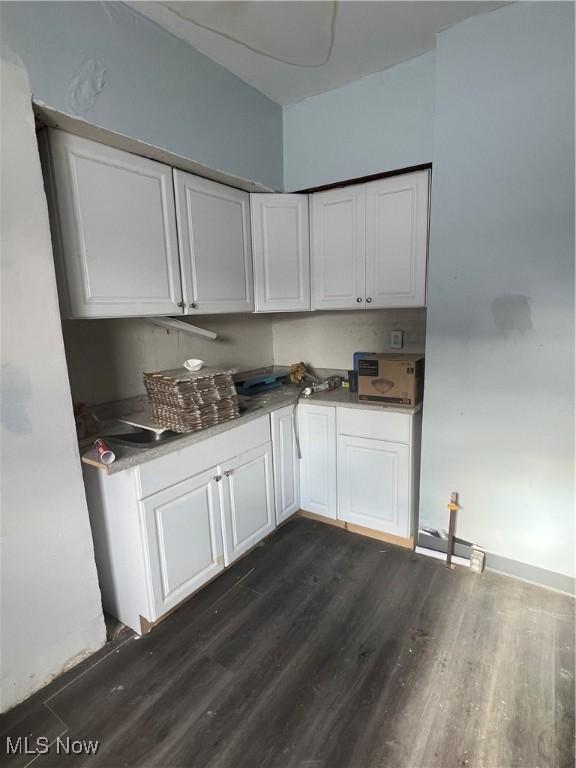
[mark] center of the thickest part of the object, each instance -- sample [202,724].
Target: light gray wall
[106,358]
[51,614]
[380,123]
[118,70]
[329,339]
[498,411]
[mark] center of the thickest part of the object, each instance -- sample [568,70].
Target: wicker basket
[186,401]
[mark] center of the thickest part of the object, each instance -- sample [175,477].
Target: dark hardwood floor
[324,649]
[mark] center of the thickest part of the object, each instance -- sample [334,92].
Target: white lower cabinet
[378,468]
[247,501]
[373,484]
[286,463]
[163,529]
[183,532]
[317,433]
[361,466]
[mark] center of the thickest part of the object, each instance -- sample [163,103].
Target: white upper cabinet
[134,237]
[281,248]
[215,248]
[370,244]
[397,240]
[114,228]
[338,219]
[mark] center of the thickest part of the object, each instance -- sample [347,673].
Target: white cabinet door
[114,227]
[248,501]
[281,250]
[374,484]
[215,248]
[183,531]
[316,426]
[338,220]
[286,463]
[397,240]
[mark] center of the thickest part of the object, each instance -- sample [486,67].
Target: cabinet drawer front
[380,426]
[176,467]
[183,533]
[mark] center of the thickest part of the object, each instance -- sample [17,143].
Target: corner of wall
[284,168]
[49,575]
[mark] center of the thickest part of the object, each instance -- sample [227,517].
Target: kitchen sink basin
[138,437]
[143,438]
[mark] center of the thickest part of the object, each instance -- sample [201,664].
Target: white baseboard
[442,556]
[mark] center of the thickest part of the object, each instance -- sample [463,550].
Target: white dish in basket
[193,364]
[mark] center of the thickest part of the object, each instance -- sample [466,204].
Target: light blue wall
[493,109]
[380,123]
[154,87]
[499,410]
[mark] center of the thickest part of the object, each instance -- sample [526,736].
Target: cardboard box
[391,378]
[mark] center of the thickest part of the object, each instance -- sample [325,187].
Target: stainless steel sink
[245,406]
[138,437]
[143,438]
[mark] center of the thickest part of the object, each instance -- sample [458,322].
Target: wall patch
[85,86]
[512,314]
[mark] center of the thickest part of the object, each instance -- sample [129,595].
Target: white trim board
[442,556]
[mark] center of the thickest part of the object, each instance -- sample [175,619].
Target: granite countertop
[344,398]
[254,407]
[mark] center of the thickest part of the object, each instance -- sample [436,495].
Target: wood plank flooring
[325,649]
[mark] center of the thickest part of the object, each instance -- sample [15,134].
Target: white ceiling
[293,49]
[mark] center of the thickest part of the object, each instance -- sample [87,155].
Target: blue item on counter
[357,356]
[353,381]
[262,382]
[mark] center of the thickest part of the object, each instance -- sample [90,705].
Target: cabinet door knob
[217,478]
[192,305]
[368,300]
[228,473]
[359,300]
[181,304]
